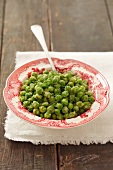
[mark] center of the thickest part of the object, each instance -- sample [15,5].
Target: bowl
[96,81]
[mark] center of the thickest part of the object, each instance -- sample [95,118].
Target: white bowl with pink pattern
[96,81]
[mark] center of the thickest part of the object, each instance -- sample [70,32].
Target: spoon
[37,31]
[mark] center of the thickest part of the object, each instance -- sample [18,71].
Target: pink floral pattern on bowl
[97,83]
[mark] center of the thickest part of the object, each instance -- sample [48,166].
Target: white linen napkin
[100,130]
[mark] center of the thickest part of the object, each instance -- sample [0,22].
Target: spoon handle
[37,30]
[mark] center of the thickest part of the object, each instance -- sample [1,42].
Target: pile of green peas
[55,95]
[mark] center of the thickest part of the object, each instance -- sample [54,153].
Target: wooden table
[77,25]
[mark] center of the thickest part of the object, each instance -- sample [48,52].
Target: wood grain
[17,36]
[80,26]
[85,157]
[109,4]
[26,156]
[1,24]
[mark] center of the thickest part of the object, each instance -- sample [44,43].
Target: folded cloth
[100,130]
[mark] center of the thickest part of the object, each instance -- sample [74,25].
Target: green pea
[74,89]
[42,79]
[57,111]
[42,115]
[45,72]
[72,79]
[30,108]
[54,116]
[39,90]
[26,103]
[82,89]
[52,99]
[79,80]
[89,93]
[56,79]
[80,94]
[84,82]
[58,97]
[64,102]
[32,86]
[69,74]
[45,99]
[72,98]
[81,111]
[66,116]
[76,108]
[86,105]
[33,98]
[37,96]
[39,84]
[47,94]
[65,109]
[42,109]
[70,106]
[44,85]
[22,98]
[22,93]
[62,76]
[26,82]
[24,87]
[59,106]
[60,117]
[32,79]
[47,115]
[36,112]
[79,104]
[35,74]
[66,80]
[72,114]
[71,84]
[57,91]
[91,99]
[46,90]
[29,99]
[45,77]
[66,75]
[67,88]
[45,104]
[48,82]
[65,93]
[52,73]
[57,86]
[28,94]
[85,85]
[51,89]
[85,98]
[40,100]
[77,99]
[62,82]
[28,89]
[35,104]
[50,109]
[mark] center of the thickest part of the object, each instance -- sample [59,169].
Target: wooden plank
[27,156]
[1,32]
[80,26]
[17,36]
[85,157]
[1,23]
[109,6]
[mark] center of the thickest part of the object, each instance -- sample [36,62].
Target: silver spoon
[37,31]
